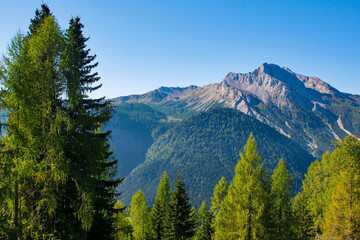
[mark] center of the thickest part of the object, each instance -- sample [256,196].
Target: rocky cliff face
[305,109]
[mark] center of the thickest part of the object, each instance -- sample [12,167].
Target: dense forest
[255,205]
[58,173]
[205,148]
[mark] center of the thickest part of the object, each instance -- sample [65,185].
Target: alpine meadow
[266,155]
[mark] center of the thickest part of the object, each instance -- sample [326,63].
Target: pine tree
[281,187]
[245,207]
[220,192]
[182,223]
[205,230]
[303,226]
[160,212]
[139,216]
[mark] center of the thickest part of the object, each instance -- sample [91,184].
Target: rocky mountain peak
[280,85]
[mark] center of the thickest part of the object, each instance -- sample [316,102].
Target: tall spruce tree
[245,209]
[281,187]
[90,185]
[303,226]
[182,222]
[160,212]
[139,217]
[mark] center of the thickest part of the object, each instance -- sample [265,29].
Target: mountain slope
[204,148]
[134,128]
[305,109]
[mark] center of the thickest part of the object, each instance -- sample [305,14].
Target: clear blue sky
[142,45]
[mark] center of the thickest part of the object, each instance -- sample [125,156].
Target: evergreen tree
[205,230]
[160,212]
[303,226]
[245,208]
[281,187]
[220,192]
[40,15]
[139,216]
[90,185]
[182,223]
[57,176]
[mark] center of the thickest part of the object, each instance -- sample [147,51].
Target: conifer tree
[122,226]
[220,192]
[342,213]
[303,226]
[281,187]
[182,222]
[139,216]
[90,184]
[58,178]
[205,230]
[160,212]
[32,146]
[314,190]
[245,207]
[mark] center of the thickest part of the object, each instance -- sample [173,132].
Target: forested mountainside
[205,147]
[305,109]
[134,128]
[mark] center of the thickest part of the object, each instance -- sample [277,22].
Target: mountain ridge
[305,109]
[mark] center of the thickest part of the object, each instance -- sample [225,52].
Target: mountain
[205,147]
[305,109]
[134,128]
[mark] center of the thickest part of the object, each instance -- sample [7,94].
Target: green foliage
[57,180]
[331,189]
[303,225]
[205,230]
[122,226]
[33,153]
[90,192]
[220,192]
[245,207]
[139,216]
[182,222]
[281,188]
[204,147]
[177,109]
[342,213]
[160,213]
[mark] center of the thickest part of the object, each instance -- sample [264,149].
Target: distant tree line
[257,206]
